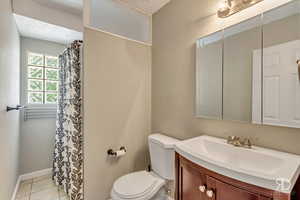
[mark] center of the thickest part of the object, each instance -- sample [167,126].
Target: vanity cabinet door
[224,191]
[192,183]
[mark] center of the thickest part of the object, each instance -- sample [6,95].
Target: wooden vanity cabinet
[194,182]
[224,191]
[191,181]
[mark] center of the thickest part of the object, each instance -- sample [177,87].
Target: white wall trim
[27,176]
[118,36]
[14,196]
[35,174]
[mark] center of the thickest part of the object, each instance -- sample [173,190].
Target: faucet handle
[247,143]
[232,139]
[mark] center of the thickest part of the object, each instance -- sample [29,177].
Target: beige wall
[116,109]
[9,95]
[175,29]
[35,133]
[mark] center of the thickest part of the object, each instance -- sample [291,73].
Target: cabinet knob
[209,193]
[202,188]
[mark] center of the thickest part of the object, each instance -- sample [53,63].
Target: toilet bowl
[140,185]
[144,185]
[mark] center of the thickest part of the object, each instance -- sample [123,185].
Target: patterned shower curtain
[68,152]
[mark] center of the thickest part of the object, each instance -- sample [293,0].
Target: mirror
[281,82]
[239,43]
[209,76]
[248,72]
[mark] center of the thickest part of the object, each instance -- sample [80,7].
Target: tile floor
[40,188]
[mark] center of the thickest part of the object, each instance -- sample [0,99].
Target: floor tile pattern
[40,188]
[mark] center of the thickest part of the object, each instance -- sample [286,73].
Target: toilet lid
[136,185]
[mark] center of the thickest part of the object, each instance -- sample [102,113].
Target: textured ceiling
[148,7]
[33,28]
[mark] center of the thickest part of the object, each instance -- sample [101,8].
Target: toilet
[144,185]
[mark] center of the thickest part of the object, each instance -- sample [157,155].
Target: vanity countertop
[263,167]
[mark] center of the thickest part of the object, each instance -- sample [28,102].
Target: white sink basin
[258,166]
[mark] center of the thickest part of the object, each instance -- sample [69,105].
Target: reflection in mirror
[281,81]
[209,76]
[249,71]
[240,41]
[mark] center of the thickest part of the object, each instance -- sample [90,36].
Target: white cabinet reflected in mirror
[249,72]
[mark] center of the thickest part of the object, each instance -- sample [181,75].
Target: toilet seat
[140,185]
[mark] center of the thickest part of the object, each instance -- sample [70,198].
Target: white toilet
[145,185]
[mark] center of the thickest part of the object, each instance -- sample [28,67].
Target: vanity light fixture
[230,7]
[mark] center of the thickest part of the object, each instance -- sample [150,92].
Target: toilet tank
[162,155]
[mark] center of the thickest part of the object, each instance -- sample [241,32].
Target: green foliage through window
[51,97]
[35,97]
[35,85]
[43,76]
[35,72]
[51,85]
[51,61]
[35,59]
[52,74]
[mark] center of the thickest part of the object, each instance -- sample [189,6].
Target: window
[42,79]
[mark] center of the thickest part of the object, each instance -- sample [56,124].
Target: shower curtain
[68,149]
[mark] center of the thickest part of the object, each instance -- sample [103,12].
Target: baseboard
[16,189]
[36,174]
[28,176]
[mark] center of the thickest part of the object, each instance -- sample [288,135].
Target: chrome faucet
[237,142]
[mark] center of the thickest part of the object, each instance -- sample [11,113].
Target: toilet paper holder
[113,153]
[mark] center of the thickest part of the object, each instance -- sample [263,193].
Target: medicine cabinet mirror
[248,72]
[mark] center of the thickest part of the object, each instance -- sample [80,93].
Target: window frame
[43,79]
